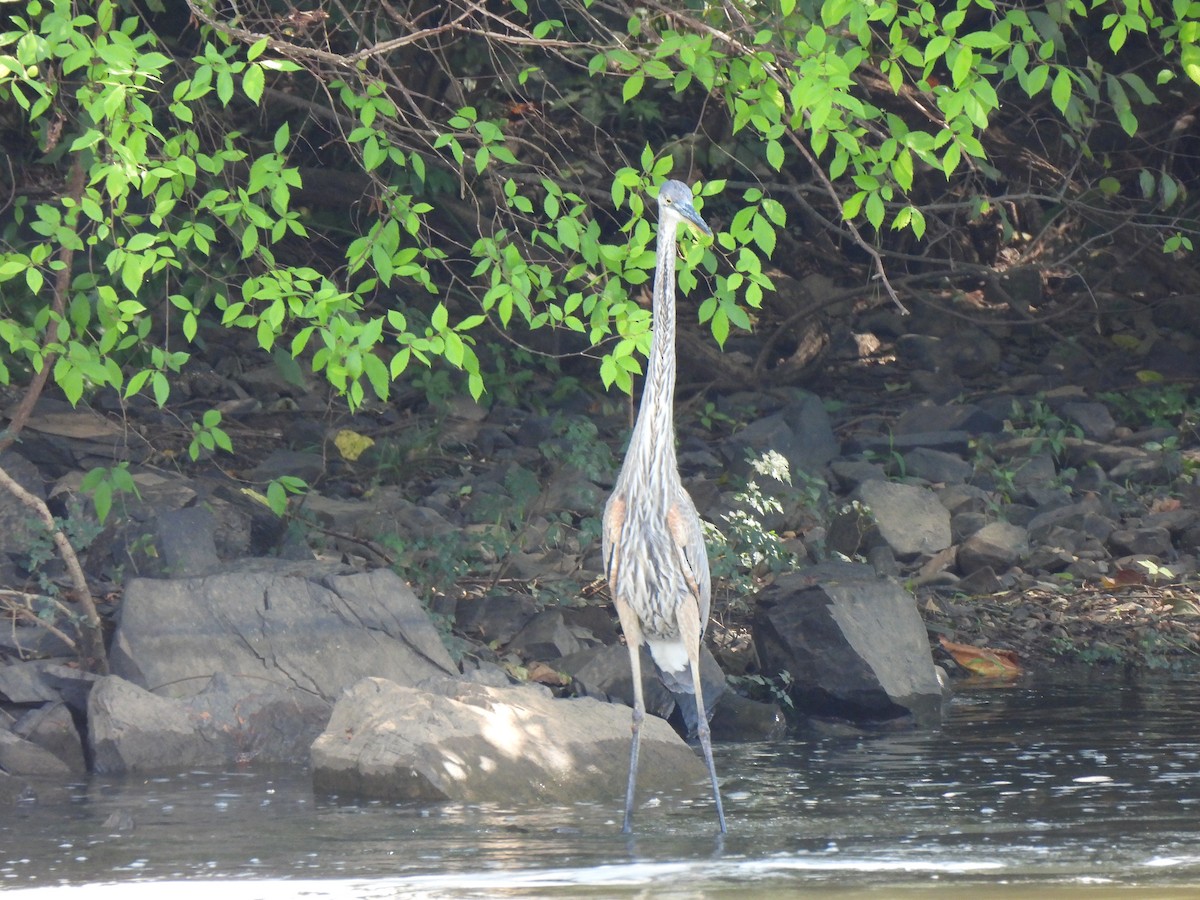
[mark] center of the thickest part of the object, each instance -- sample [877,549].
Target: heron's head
[676,205]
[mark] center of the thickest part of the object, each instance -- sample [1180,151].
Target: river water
[1087,785]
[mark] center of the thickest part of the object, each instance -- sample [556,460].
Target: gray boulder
[22,681]
[908,519]
[21,757]
[298,626]
[52,728]
[473,743]
[997,545]
[801,432]
[546,636]
[936,466]
[854,645]
[233,721]
[605,673]
[132,730]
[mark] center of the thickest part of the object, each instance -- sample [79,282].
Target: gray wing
[684,524]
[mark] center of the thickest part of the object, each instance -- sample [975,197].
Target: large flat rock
[472,743]
[312,630]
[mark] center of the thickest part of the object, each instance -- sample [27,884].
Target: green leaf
[851,207]
[764,235]
[775,155]
[1060,90]
[253,82]
[224,88]
[720,326]
[875,209]
[256,49]
[102,499]
[439,318]
[633,86]
[1189,54]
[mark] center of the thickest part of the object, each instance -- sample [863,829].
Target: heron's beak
[695,223]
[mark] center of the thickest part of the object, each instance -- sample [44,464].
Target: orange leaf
[984,661]
[1123,578]
[543,674]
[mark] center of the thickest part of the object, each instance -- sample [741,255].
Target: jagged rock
[963,498]
[494,617]
[1034,479]
[936,466]
[909,519]
[1176,521]
[569,489]
[604,674]
[850,473]
[232,721]
[953,417]
[295,625]
[981,581]
[1073,515]
[1093,419]
[305,464]
[965,524]
[21,757]
[920,351]
[19,530]
[24,682]
[939,387]
[184,544]
[1140,542]
[738,718]
[1153,468]
[546,636]
[388,511]
[956,442]
[52,728]
[996,546]
[1050,559]
[595,621]
[801,432]
[72,684]
[970,352]
[132,730]
[854,645]
[477,744]
[1081,452]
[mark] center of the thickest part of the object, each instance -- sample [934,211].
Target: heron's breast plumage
[652,572]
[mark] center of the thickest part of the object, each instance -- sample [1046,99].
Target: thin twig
[92,628]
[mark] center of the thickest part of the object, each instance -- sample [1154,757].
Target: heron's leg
[688,621]
[633,639]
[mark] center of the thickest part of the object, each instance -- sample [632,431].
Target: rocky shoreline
[1044,507]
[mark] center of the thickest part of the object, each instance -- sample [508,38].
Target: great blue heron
[654,554]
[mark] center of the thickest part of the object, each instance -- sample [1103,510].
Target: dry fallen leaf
[543,674]
[351,444]
[985,661]
[1123,578]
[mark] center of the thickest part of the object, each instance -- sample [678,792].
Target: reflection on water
[1070,786]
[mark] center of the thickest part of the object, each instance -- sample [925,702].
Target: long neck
[658,396]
